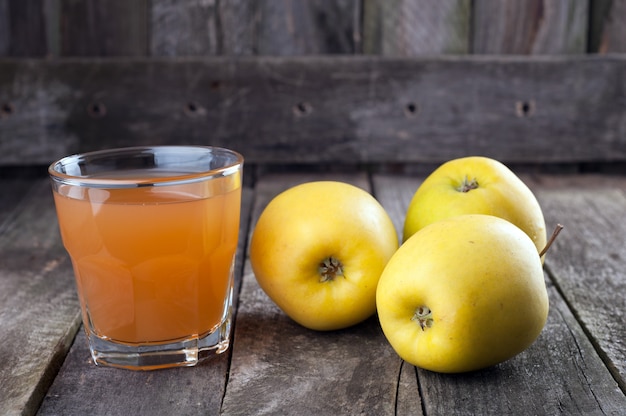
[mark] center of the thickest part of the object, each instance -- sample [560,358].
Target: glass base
[184,353]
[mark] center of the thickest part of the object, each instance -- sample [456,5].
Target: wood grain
[277,367]
[320,109]
[614,39]
[22,28]
[607,30]
[183,28]
[39,312]
[14,189]
[290,27]
[529,27]
[112,28]
[5,26]
[82,388]
[412,28]
[31,28]
[588,261]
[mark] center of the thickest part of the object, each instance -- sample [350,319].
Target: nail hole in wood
[525,108]
[191,107]
[411,110]
[302,109]
[96,110]
[6,110]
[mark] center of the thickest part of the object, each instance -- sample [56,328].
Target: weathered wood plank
[412,28]
[179,391]
[408,399]
[111,28]
[607,28]
[12,191]
[615,29]
[589,259]
[320,109]
[290,27]
[279,367]
[22,28]
[192,28]
[81,388]
[183,28]
[5,25]
[39,312]
[529,27]
[560,373]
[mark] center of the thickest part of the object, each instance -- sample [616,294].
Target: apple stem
[424,317]
[468,185]
[555,233]
[329,269]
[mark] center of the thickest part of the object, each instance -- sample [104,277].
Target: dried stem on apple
[467,185]
[424,317]
[555,233]
[329,269]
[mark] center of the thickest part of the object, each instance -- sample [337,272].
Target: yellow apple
[476,185]
[463,294]
[318,250]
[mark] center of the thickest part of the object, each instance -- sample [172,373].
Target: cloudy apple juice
[152,265]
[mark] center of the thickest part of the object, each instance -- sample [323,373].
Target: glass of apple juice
[152,235]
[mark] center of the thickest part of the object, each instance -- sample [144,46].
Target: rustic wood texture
[39,312]
[81,388]
[320,109]
[183,28]
[615,30]
[529,27]
[30,28]
[5,28]
[277,367]
[289,27]
[22,28]
[589,260]
[608,28]
[111,28]
[412,28]
[13,191]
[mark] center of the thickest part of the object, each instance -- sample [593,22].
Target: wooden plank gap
[608,362]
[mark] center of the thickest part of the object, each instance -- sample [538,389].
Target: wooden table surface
[577,365]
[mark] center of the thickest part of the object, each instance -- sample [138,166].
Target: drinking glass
[152,235]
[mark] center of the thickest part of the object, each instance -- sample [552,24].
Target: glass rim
[177,179]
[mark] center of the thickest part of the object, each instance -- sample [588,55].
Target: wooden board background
[61,28]
[342,110]
[525,81]
[575,367]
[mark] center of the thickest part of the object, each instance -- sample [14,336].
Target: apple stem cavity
[330,268]
[467,185]
[555,233]
[424,317]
